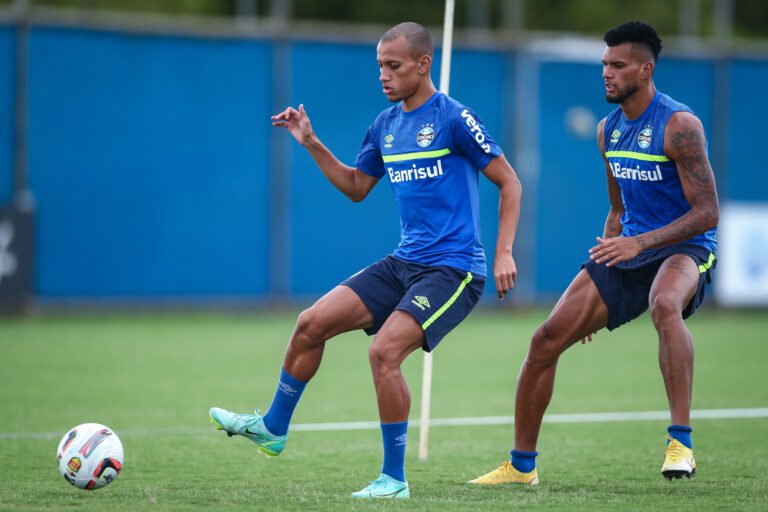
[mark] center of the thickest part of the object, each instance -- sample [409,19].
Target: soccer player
[657,249]
[431,149]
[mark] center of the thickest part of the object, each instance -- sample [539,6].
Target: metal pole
[426,374]
[21,194]
[723,16]
[688,24]
[513,15]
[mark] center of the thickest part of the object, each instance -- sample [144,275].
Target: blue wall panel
[7,81]
[747,176]
[147,158]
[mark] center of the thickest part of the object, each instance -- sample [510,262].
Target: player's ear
[646,70]
[425,63]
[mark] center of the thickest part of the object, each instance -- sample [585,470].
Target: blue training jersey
[432,156]
[650,185]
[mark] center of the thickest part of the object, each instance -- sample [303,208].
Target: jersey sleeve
[472,140]
[369,157]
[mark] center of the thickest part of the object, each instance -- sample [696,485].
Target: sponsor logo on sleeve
[476,130]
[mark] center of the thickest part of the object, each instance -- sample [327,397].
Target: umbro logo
[388,140]
[401,440]
[421,302]
[288,390]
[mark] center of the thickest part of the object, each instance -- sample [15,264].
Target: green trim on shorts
[449,303]
[706,266]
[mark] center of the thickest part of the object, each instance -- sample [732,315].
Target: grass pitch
[153,378]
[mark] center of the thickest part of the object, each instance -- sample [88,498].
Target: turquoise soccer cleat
[250,426]
[384,487]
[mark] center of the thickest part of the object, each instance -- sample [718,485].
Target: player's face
[623,68]
[399,71]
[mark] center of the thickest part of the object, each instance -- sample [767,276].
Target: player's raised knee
[546,346]
[665,306]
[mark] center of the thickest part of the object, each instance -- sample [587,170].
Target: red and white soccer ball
[90,456]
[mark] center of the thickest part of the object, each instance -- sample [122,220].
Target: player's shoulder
[385,117]
[666,102]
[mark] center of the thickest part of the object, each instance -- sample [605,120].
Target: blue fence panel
[7,86]
[149,164]
[747,177]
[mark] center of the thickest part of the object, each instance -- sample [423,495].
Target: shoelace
[674,449]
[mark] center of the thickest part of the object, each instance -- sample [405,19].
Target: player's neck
[634,106]
[419,97]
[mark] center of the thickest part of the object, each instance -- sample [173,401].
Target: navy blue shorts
[625,287]
[439,297]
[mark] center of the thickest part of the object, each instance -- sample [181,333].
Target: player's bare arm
[685,144]
[501,174]
[613,220]
[352,182]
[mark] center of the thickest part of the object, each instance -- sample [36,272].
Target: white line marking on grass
[598,417]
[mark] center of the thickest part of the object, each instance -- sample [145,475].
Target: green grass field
[153,378]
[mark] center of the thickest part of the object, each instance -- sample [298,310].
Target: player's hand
[296,122]
[587,338]
[614,250]
[504,273]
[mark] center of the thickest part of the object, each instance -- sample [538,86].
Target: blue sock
[524,462]
[287,395]
[682,433]
[394,436]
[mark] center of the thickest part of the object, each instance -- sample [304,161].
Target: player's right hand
[296,122]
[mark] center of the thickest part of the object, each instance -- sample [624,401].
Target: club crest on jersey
[644,138]
[388,140]
[615,134]
[425,136]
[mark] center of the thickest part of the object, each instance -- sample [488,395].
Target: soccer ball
[90,456]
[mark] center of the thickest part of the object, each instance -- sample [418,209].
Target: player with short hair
[657,249]
[431,149]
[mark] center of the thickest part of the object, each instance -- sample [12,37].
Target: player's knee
[546,346]
[309,330]
[380,357]
[665,307]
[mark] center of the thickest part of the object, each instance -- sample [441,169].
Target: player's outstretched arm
[501,174]
[350,181]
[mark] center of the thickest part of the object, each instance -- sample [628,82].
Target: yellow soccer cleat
[678,461]
[507,474]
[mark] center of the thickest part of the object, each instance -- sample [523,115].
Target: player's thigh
[400,335]
[579,312]
[338,311]
[675,283]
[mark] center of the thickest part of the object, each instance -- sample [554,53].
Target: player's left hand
[504,273]
[614,250]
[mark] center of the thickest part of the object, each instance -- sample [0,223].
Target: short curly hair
[637,33]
